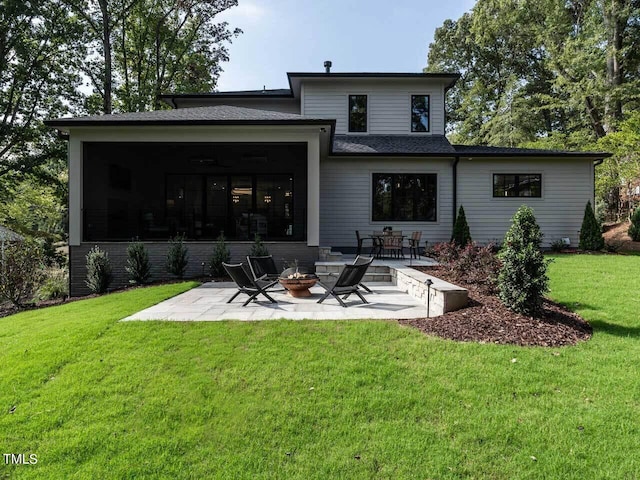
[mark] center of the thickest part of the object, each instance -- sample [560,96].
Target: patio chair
[361,240]
[392,245]
[347,283]
[414,244]
[245,283]
[360,261]
[264,269]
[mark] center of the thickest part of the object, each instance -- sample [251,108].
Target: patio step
[370,277]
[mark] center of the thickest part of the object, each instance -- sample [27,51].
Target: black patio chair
[245,283]
[361,241]
[347,283]
[264,269]
[361,261]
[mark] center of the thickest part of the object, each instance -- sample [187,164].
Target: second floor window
[419,113]
[357,113]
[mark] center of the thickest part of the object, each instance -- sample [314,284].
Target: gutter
[455,188]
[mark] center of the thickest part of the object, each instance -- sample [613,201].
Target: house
[302,167]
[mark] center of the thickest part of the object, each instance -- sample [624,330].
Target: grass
[98,398]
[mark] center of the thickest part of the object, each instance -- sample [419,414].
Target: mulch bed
[487,320]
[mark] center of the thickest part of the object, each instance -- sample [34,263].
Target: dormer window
[419,113]
[357,113]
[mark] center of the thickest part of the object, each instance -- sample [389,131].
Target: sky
[283,36]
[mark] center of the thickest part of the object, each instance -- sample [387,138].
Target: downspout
[455,188]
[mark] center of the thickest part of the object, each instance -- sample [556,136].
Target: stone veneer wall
[198,252]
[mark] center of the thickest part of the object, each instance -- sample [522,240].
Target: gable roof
[213,115]
[392,145]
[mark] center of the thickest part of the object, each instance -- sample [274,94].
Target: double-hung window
[357,113]
[517,185]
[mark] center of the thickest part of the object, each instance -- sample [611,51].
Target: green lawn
[95,398]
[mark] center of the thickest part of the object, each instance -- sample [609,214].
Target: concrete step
[334,257]
[329,279]
[337,267]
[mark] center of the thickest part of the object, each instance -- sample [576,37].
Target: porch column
[313,191]
[75,191]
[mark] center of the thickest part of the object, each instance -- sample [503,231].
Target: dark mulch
[487,320]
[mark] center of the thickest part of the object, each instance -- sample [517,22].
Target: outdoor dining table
[378,242]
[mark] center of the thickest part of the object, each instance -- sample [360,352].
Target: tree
[177,256]
[20,271]
[99,272]
[634,228]
[461,235]
[138,266]
[522,280]
[591,231]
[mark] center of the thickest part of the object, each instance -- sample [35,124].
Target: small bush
[20,271]
[445,253]
[557,245]
[613,246]
[634,228]
[600,211]
[461,235]
[258,249]
[99,273]
[53,257]
[523,277]
[478,266]
[54,286]
[138,266]
[220,254]
[591,231]
[177,256]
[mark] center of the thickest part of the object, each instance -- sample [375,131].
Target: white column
[75,190]
[313,191]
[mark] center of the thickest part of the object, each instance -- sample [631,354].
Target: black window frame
[430,181]
[517,184]
[428,96]
[366,113]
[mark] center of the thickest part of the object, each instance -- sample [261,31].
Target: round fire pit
[298,284]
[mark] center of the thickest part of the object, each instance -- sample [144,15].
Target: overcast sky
[356,35]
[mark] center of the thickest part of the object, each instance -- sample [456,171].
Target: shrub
[634,228]
[477,265]
[445,253]
[99,273]
[138,266]
[177,256]
[220,254]
[461,235]
[600,211]
[258,249]
[557,245]
[20,271]
[54,286]
[591,231]
[523,277]
[51,256]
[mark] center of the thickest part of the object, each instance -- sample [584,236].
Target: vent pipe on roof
[327,66]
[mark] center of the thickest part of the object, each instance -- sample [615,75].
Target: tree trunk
[594,115]
[616,17]
[106,45]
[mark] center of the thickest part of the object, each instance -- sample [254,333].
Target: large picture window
[404,197]
[420,113]
[357,113]
[517,185]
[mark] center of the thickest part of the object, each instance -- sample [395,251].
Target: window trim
[411,131]
[493,191]
[349,95]
[435,221]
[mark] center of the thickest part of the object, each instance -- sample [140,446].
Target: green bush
[177,256]
[220,254]
[591,231]
[523,280]
[138,266]
[20,271]
[99,274]
[54,286]
[258,249]
[634,228]
[461,234]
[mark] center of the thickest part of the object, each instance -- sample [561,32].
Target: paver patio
[208,303]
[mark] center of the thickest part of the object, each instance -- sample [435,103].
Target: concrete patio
[208,303]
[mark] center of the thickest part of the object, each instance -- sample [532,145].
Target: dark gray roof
[220,114]
[486,151]
[7,235]
[392,145]
[276,92]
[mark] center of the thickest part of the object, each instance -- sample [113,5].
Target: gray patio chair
[245,284]
[347,283]
[264,269]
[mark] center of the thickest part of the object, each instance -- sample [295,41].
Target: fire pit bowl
[297,282]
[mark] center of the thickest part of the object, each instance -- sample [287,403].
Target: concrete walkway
[208,303]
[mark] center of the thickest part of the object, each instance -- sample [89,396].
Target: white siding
[346,191]
[388,103]
[567,185]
